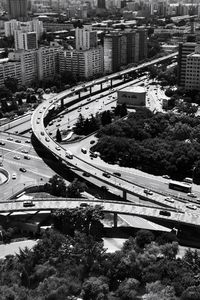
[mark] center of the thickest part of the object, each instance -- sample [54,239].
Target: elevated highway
[38,127]
[109,206]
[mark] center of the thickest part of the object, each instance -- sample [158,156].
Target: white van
[188,180]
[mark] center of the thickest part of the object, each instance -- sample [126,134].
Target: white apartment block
[192,76]
[48,62]
[31,26]
[85,64]
[29,66]
[10,69]
[86,38]
[108,54]
[25,40]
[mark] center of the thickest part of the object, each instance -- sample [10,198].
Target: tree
[106,118]
[128,289]
[56,186]
[79,219]
[191,293]
[144,237]
[75,188]
[79,126]
[157,291]
[58,136]
[95,289]
[11,83]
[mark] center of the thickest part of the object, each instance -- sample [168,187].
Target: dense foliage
[64,267]
[154,143]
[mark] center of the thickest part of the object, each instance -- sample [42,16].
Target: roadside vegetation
[154,143]
[70,262]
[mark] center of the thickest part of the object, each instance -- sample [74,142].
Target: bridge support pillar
[124,77]
[101,86]
[62,103]
[79,95]
[115,219]
[90,89]
[111,82]
[124,195]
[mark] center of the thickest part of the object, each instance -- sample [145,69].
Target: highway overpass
[109,206]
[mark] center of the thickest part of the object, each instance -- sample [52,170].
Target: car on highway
[50,123]
[28,203]
[192,195]
[148,192]
[24,151]
[165,213]
[191,206]
[42,132]
[117,174]
[27,142]
[92,142]
[47,139]
[104,188]
[23,170]
[84,205]
[106,175]
[88,99]
[58,148]
[79,109]
[2,143]
[14,176]
[57,125]
[73,89]
[86,174]
[169,199]
[16,157]
[84,150]
[10,139]
[87,107]
[166,176]
[27,157]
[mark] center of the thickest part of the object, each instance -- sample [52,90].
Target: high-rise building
[184,50]
[192,74]
[113,54]
[142,43]
[10,69]
[30,26]
[25,40]
[132,39]
[101,4]
[85,63]
[86,38]
[29,66]
[48,61]
[17,9]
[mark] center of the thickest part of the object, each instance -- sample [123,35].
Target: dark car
[103,187]
[165,213]
[83,205]
[26,157]
[86,174]
[92,142]
[28,203]
[22,170]
[2,143]
[106,175]
[17,141]
[117,174]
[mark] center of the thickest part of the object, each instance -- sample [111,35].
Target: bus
[180,186]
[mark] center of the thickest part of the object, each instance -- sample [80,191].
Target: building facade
[184,50]
[192,76]
[25,40]
[17,9]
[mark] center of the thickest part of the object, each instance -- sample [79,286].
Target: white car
[57,148]
[14,176]
[24,151]
[191,206]
[192,195]
[17,157]
[169,199]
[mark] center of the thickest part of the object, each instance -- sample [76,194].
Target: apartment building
[192,75]
[184,50]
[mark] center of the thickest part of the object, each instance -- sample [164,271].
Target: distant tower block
[17,9]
